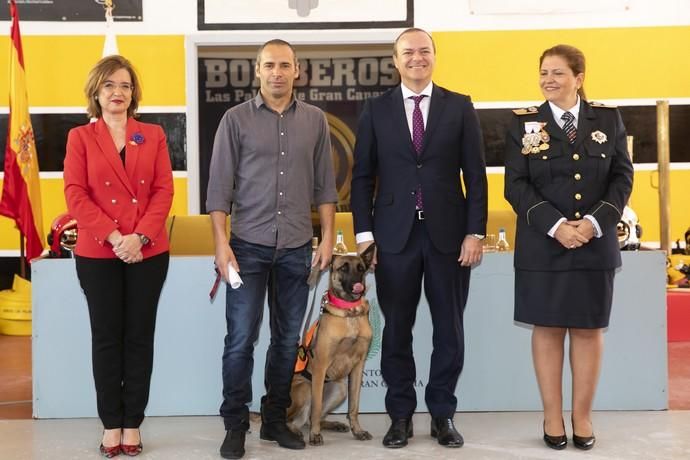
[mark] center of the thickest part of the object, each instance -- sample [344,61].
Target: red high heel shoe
[132,450]
[109,452]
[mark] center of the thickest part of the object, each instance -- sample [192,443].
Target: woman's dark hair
[573,56]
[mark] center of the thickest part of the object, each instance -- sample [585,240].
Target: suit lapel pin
[136,139]
[599,137]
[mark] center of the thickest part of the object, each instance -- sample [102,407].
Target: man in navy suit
[413,142]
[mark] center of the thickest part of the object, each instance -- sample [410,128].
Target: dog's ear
[368,255]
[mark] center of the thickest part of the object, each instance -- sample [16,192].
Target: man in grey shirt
[271,161]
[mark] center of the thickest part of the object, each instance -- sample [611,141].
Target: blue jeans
[284,272]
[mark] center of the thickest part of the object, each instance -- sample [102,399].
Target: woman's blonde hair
[100,72]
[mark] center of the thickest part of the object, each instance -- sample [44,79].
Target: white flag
[110,45]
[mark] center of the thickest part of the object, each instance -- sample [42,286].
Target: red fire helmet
[63,233]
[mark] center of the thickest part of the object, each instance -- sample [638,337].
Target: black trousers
[123,301]
[398,286]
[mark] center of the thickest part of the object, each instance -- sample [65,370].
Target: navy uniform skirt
[577,298]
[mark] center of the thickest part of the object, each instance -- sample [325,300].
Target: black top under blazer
[589,177]
[384,150]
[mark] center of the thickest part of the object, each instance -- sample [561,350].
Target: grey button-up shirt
[269,168]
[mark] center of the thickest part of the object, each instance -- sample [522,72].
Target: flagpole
[22,256]
[110,43]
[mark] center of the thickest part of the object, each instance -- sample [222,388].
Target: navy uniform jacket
[384,150]
[594,176]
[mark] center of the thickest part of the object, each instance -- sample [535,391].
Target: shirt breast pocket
[539,172]
[601,156]
[541,167]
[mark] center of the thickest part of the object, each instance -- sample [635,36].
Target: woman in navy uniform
[568,177]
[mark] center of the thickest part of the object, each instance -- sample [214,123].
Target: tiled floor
[498,435]
[492,436]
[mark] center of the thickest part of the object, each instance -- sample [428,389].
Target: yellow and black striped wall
[56,68]
[632,67]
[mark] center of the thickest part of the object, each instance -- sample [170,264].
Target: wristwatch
[144,239]
[478,236]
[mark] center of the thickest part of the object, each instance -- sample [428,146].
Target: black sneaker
[280,433]
[233,444]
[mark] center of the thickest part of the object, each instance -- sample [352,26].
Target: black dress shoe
[233,444]
[280,433]
[398,433]
[445,433]
[555,442]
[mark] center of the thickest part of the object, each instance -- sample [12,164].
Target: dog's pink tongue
[358,288]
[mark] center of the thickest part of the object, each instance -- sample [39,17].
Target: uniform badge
[535,139]
[599,137]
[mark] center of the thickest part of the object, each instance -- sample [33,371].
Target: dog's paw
[334,426]
[297,432]
[315,439]
[362,435]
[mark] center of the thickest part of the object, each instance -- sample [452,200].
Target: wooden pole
[664,160]
[630,154]
[22,256]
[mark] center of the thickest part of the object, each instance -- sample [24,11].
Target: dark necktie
[569,126]
[418,140]
[417,124]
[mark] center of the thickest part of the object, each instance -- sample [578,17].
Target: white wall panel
[165,17]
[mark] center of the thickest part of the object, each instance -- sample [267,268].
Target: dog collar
[342,304]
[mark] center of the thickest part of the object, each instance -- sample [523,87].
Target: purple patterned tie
[569,126]
[418,140]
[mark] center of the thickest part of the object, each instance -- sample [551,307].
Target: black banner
[337,85]
[73,10]
[50,133]
[640,122]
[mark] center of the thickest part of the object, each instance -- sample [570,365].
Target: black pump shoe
[555,442]
[582,442]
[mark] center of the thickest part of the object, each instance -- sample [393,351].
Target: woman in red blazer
[119,187]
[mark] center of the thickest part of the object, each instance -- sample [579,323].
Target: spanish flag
[21,192]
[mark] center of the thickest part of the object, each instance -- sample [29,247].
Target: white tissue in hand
[234,279]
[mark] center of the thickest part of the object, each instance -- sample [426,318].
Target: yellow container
[15,308]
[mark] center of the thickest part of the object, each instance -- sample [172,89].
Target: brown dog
[338,351]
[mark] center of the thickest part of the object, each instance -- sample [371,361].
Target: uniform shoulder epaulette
[603,106]
[528,111]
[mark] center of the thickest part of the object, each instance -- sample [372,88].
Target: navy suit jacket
[387,171]
[592,176]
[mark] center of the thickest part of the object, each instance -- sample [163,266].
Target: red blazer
[104,196]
